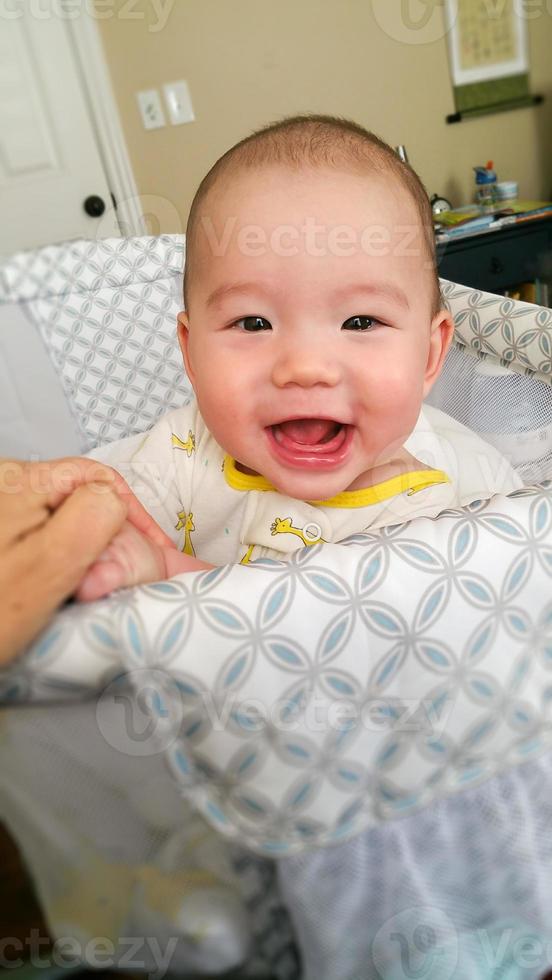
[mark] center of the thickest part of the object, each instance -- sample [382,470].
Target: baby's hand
[130,559]
[134,559]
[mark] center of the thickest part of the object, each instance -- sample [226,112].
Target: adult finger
[42,570]
[79,530]
[72,471]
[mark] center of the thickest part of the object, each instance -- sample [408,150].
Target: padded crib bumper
[298,703]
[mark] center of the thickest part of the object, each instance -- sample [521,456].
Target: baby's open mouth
[323,434]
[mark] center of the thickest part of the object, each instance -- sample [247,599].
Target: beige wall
[251,61]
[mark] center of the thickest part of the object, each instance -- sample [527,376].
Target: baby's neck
[403,462]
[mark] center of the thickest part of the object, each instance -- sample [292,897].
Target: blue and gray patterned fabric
[384,696]
[299,702]
[104,312]
[516,335]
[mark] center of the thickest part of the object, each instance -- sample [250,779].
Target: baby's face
[309,337]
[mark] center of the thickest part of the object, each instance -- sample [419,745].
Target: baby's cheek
[399,411]
[398,394]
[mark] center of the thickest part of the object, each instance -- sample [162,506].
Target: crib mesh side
[509,410]
[460,891]
[119,857]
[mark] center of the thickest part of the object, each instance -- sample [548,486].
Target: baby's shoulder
[434,421]
[180,422]
[474,466]
[175,418]
[181,427]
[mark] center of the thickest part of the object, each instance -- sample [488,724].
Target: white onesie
[212,510]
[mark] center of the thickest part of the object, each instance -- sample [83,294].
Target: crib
[407,837]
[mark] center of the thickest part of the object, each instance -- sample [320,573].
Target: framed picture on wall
[488,54]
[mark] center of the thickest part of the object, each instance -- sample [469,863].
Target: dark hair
[317,141]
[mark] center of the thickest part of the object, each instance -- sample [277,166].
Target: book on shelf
[470,220]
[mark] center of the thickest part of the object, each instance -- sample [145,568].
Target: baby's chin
[298,485]
[309,486]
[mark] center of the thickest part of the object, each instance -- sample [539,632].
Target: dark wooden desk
[499,260]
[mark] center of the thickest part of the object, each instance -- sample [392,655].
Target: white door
[50,165]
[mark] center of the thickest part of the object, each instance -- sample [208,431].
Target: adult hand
[56,517]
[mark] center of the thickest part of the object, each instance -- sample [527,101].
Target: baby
[313,329]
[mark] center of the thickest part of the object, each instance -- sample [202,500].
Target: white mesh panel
[116,852]
[455,892]
[511,411]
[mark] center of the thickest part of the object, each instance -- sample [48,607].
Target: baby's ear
[440,339]
[183,329]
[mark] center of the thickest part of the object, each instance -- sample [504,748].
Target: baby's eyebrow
[228,289]
[387,290]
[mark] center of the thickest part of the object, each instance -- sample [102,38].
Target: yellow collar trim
[410,482]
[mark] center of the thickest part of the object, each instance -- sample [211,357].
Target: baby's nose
[306,366]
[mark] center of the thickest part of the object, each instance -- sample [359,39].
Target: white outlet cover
[179,102]
[151,110]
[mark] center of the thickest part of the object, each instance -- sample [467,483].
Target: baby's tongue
[308,432]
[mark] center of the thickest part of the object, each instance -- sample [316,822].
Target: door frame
[96,83]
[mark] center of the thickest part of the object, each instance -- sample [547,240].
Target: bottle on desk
[485,187]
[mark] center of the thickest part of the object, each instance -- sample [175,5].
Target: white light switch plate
[179,102]
[151,110]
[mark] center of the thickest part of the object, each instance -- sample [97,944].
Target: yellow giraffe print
[247,557]
[286,526]
[186,523]
[188,446]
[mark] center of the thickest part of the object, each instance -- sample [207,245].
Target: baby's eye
[252,324]
[360,323]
